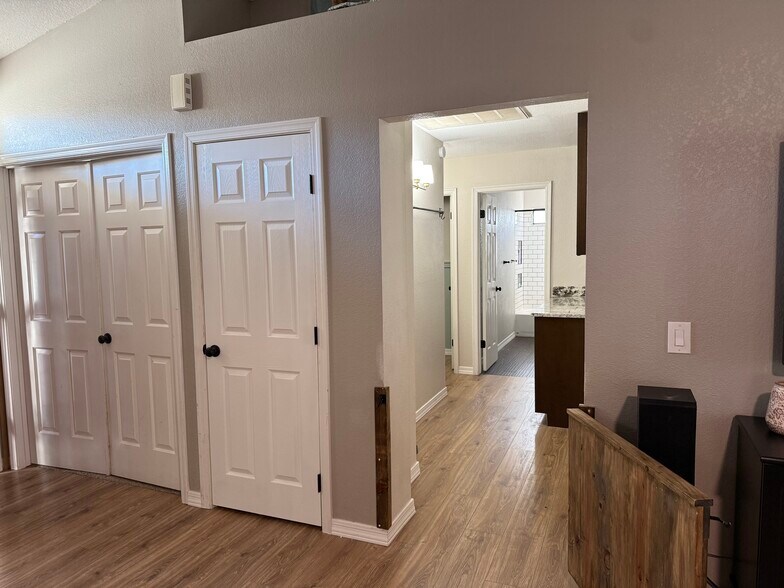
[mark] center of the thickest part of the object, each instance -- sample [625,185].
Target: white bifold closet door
[95,253]
[258,254]
[130,216]
[63,316]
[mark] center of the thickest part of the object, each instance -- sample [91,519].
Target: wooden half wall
[632,522]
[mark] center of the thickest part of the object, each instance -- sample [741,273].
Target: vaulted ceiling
[23,21]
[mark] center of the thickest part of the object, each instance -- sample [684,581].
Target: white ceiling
[551,125]
[23,21]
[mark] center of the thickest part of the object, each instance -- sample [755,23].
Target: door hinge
[453,342]
[417,449]
[315,335]
[481,214]
[318,483]
[312,184]
[483,344]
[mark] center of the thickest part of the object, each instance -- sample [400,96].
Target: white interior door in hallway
[257,219]
[94,254]
[488,235]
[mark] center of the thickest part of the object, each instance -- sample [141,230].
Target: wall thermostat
[181,92]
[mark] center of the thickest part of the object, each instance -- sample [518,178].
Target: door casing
[476,279]
[311,127]
[12,329]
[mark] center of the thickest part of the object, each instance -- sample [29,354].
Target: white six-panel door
[62,311]
[489,252]
[130,213]
[95,253]
[258,255]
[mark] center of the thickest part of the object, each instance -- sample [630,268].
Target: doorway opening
[488,255]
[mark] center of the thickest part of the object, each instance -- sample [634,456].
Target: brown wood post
[383,459]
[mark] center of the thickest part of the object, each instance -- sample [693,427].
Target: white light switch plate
[678,337]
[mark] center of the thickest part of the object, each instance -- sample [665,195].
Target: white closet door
[489,252]
[62,311]
[130,204]
[258,255]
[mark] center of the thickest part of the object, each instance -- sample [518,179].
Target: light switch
[678,337]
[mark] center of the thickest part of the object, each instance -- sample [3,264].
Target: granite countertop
[562,307]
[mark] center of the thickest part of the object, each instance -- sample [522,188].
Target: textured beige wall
[397,282]
[428,274]
[686,121]
[559,166]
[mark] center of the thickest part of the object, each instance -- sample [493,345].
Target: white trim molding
[371,534]
[12,342]
[415,471]
[85,152]
[311,127]
[430,404]
[507,341]
[453,274]
[466,370]
[194,499]
[12,332]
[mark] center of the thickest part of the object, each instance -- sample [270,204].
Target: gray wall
[686,121]
[429,374]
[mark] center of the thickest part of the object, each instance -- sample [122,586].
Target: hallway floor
[491,511]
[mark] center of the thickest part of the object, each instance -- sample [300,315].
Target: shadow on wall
[778,304]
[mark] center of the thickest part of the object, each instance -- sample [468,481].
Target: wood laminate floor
[491,511]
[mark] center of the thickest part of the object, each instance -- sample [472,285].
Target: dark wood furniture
[667,427]
[632,522]
[582,179]
[559,360]
[758,559]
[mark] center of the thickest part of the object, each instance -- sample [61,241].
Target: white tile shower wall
[531,293]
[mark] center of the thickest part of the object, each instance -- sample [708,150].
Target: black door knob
[105,339]
[211,351]
[498,288]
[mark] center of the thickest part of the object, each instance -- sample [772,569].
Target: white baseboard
[370,534]
[465,370]
[448,352]
[507,341]
[428,406]
[193,498]
[415,471]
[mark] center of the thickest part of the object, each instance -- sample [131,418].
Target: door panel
[258,255]
[133,250]
[489,256]
[62,311]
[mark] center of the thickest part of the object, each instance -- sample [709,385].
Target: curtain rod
[440,211]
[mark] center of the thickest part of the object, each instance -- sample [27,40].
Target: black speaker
[667,427]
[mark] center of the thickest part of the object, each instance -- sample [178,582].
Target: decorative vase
[775,415]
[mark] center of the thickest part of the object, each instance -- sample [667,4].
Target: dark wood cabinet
[758,559]
[559,359]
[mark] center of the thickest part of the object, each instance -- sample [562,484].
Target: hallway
[491,511]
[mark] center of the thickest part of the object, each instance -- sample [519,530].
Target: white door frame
[16,378]
[476,280]
[312,127]
[453,272]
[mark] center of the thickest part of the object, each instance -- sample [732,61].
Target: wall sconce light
[422,175]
